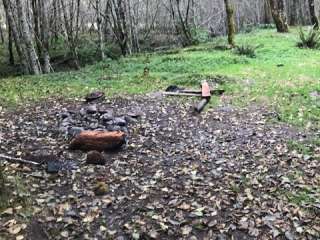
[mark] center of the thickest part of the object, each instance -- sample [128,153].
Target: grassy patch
[281,75]
[308,147]
[302,197]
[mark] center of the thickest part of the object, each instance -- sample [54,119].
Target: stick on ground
[18,160]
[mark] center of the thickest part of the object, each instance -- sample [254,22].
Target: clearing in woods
[247,168]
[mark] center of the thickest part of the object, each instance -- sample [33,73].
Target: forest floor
[246,168]
[228,173]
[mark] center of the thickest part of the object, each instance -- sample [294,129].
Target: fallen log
[98,140]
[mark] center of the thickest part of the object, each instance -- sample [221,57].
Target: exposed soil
[225,174]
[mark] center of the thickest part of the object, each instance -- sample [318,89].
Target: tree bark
[71,30]
[1,33]
[313,15]
[36,24]
[230,22]
[45,36]
[100,33]
[294,13]
[279,15]
[33,60]
[181,21]
[15,35]
[10,45]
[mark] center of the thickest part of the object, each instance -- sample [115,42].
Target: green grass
[307,147]
[258,80]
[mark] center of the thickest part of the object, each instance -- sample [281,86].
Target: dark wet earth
[228,173]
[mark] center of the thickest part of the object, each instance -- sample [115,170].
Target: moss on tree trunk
[230,22]
[279,15]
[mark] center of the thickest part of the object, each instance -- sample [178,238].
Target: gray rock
[72,112]
[92,109]
[104,110]
[64,115]
[53,166]
[107,116]
[120,121]
[66,122]
[108,123]
[130,119]
[135,113]
[74,131]
[124,129]
[63,130]
[72,214]
[94,125]
[82,112]
[113,128]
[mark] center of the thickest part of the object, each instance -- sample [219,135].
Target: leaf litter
[225,174]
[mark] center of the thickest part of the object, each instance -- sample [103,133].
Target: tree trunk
[45,36]
[100,33]
[313,15]
[32,56]
[10,45]
[294,13]
[1,34]
[230,22]
[36,24]
[182,22]
[72,32]
[15,35]
[279,15]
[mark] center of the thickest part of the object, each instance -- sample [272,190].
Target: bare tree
[71,16]
[117,11]
[181,20]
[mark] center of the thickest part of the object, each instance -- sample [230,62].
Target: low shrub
[309,38]
[246,50]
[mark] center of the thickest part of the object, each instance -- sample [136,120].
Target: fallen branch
[19,160]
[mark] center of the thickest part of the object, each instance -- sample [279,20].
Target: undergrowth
[309,39]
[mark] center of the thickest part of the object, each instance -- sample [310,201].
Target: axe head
[205,90]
